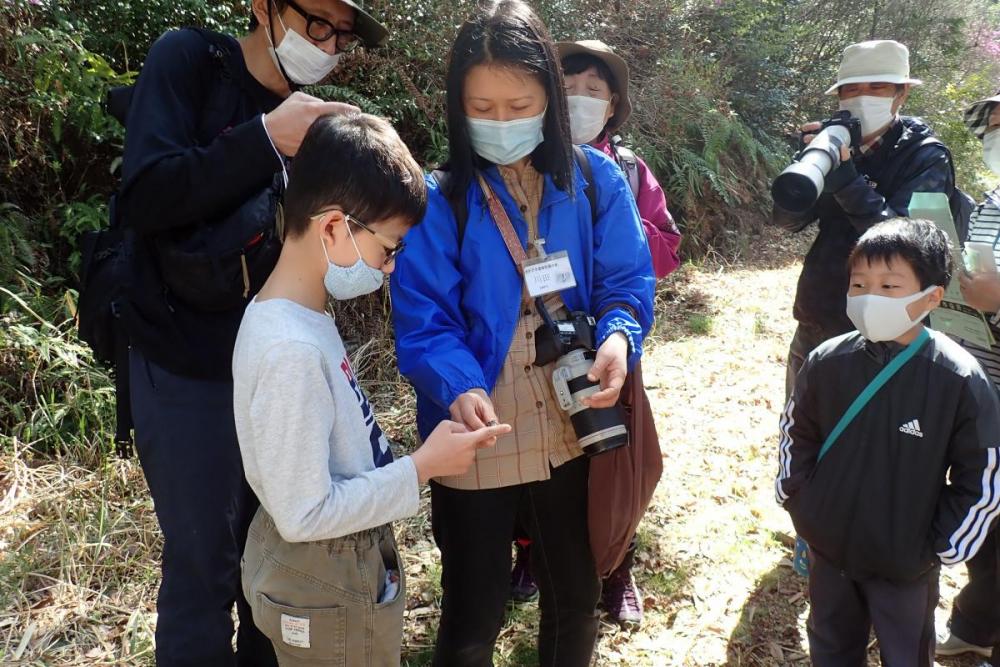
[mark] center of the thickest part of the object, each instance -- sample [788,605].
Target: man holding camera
[897,156]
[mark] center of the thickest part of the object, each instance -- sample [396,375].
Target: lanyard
[499,216]
[869,392]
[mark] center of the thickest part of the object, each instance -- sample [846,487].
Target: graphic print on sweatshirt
[381,454]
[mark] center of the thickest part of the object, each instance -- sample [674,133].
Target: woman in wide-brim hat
[598,100]
[596,83]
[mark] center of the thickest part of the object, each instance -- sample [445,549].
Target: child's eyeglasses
[392,250]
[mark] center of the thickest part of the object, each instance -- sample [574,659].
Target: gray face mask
[350,282]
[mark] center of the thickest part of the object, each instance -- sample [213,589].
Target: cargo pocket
[387,630]
[303,636]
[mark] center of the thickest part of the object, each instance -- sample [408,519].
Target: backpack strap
[223,99]
[629,163]
[961,203]
[588,174]
[930,141]
[458,205]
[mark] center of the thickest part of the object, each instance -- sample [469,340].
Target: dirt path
[715,548]
[79,543]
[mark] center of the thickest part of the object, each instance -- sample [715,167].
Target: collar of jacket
[884,351]
[905,131]
[603,143]
[889,141]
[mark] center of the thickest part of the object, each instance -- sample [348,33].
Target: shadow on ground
[768,631]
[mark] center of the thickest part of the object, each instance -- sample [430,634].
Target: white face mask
[586,117]
[882,318]
[991,150]
[349,282]
[875,113]
[506,141]
[304,62]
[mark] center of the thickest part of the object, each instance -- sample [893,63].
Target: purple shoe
[620,599]
[522,584]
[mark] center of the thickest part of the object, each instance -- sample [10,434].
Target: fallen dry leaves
[78,544]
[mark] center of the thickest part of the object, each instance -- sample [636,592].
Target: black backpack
[213,266]
[459,207]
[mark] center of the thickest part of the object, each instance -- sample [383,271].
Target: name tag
[552,273]
[295,631]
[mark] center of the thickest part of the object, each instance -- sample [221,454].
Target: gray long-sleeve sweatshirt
[312,449]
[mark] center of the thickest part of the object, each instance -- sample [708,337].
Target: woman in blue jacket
[465,328]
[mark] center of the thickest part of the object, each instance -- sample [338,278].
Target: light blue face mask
[350,282]
[506,141]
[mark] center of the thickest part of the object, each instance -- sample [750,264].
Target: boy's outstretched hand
[450,449]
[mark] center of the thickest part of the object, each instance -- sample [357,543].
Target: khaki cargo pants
[318,602]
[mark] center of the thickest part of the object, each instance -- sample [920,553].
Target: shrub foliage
[719,87]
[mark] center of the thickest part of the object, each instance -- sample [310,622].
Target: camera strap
[503,223]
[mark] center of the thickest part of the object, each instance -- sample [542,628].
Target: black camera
[571,345]
[798,187]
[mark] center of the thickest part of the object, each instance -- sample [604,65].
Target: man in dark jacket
[874,183]
[211,122]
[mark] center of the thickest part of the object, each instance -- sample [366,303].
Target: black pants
[975,616]
[807,338]
[473,529]
[186,440]
[843,611]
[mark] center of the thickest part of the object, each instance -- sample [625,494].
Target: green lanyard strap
[865,396]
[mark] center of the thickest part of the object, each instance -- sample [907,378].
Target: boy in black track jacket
[913,480]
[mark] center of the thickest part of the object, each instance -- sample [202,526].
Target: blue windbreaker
[455,309]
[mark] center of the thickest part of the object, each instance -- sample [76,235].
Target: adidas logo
[912,428]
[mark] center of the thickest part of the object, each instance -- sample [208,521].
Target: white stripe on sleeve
[785,451]
[970,534]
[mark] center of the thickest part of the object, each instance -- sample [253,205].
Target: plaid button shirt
[542,437]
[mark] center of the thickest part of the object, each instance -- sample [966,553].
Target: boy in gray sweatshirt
[321,569]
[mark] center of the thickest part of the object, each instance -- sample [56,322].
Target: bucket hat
[881,60]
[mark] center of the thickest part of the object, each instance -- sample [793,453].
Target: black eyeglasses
[392,250]
[321,30]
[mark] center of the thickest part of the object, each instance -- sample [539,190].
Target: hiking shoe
[522,584]
[953,645]
[620,599]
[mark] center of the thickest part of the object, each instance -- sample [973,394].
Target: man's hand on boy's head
[287,124]
[981,290]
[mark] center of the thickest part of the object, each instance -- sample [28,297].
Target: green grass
[699,324]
